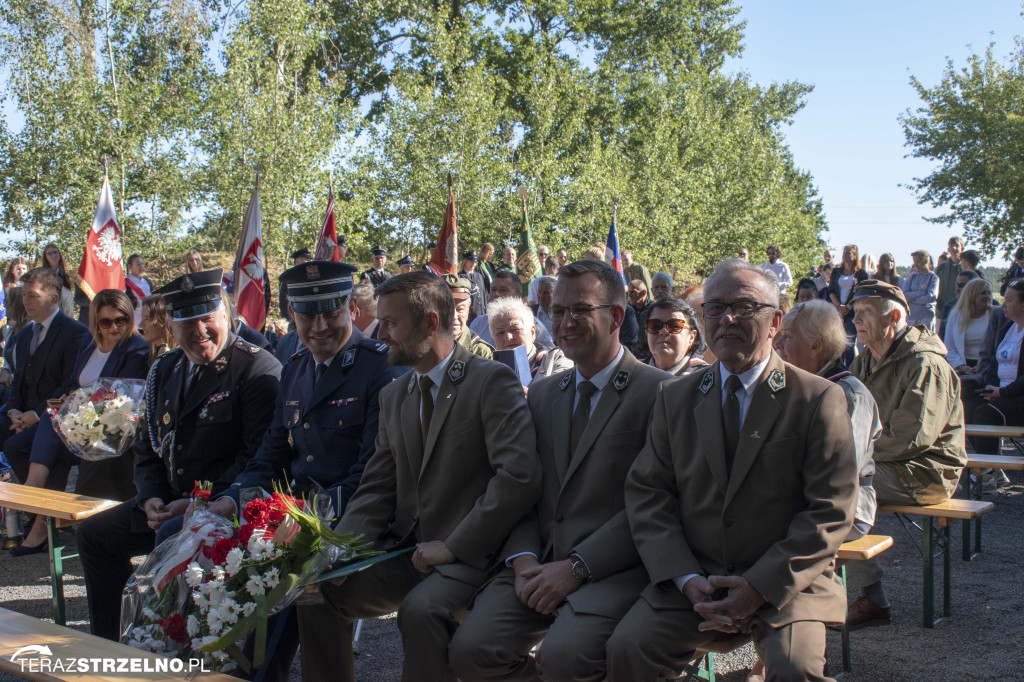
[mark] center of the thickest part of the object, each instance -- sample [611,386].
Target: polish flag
[327,242]
[248,273]
[101,266]
[446,254]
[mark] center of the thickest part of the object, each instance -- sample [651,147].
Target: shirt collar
[437,373]
[48,321]
[748,378]
[601,379]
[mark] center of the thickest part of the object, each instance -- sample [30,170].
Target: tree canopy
[580,102]
[971,125]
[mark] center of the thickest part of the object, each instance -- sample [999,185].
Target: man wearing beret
[444,478]
[920,454]
[477,288]
[464,336]
[376,274]
[208,404]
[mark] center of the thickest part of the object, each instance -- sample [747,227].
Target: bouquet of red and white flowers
[98,421]
[203,591]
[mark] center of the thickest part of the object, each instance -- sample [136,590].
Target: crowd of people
[618,501]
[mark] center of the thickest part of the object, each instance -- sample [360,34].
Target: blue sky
[859,57]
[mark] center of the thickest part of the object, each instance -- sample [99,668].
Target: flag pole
[330,183]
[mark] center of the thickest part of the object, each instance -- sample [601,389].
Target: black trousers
[999,412]
[106,544]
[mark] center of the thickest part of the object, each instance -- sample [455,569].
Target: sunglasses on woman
[670,326]
[107,322]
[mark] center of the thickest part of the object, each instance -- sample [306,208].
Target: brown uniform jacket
[781,515]
[476,476]
[582,509]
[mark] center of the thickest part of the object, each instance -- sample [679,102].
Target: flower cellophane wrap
[203,591]
[98,421]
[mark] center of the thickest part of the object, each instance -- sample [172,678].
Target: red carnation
[256,512]
[275,517]
[244,533]
[220,550]
[175,627]
[281,502]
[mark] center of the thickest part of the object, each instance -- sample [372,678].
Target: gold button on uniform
[306,426]
[309,458]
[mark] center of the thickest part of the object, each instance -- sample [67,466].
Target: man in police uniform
[377,275]
[325,420]
[476,280]
[405,264]
[208,404]
[464,336]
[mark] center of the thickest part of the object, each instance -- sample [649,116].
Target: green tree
[970,124]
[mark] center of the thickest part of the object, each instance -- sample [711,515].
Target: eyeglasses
[742,309]
[107,323]
[670,326]
[577,312]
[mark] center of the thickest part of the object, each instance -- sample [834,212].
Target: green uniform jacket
[471,342]
[918,397]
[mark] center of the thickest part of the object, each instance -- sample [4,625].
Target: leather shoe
[866,613]
[12,542]
[25,550]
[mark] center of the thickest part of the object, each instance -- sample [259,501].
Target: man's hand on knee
[548,589]
[526,567]
[430,554]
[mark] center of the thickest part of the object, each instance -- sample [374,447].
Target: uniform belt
[866,480]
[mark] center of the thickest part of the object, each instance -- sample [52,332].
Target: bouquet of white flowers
[98,421]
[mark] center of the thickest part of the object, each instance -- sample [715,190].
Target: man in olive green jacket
[920,454]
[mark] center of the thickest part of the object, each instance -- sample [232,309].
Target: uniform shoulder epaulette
[164,354]
[298,354]
[376,346]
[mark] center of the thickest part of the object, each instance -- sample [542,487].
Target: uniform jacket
[322,435]
[478,294]
[582,507]
[375,279]
[211,434]
[777,519]
[475,477]
[918,398]
[45,374]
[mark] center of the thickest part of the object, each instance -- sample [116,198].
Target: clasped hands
[724,615]
[22,420]
[158,513]
[543,587]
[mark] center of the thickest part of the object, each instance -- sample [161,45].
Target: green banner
[527,262]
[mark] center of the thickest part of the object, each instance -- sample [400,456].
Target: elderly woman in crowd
[674,337]
[511,323]
[921,287]
[965,329]
[812,337]
[115,350]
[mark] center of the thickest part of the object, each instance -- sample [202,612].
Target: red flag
[249,267]
[101,266]
[327,242]
[446,254]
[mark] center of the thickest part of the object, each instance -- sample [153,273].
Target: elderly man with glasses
[726,560]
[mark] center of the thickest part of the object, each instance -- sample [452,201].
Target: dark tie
[428,406]
[585,390]
[731,419]
[319,372]
[37,331]
[193,380]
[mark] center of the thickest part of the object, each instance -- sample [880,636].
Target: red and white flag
[446,254]
[101,266]
[249,269]
[327,242]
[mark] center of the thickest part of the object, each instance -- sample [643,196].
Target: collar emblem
[348,358]
[707,382]
[457,372]
[621,380]
[777,380]
[566,379]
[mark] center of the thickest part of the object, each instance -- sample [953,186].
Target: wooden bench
[18,630]
[975,465]
[993,431]
[867,547]
[936,515]
[59,510]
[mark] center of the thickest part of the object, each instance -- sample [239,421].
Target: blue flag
[612,254]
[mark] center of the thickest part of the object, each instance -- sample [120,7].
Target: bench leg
[929,573]
[966,524]
[946,568]
[56,573]
[844,633]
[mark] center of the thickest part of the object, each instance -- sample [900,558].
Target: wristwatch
[579,569]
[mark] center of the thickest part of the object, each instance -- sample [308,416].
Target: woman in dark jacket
[845,279]
[115,350]
[1002,375]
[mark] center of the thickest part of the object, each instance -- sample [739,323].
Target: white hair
[731,266]
[814,320]
[506,308]
[887,307]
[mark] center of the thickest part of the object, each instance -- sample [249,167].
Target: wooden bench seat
[59,510]
[867,547]
[18,630]
[977,462]
[935,531]
[993,431]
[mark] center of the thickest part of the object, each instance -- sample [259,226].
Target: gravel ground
[982,640]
